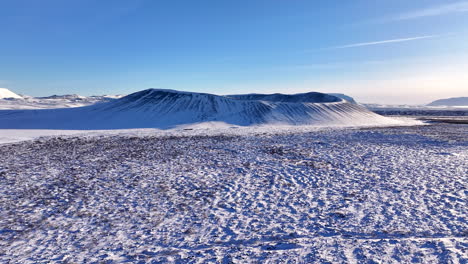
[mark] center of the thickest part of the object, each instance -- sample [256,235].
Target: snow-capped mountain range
[158,108]
[10,100]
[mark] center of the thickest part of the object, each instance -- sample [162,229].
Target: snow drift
[164,109]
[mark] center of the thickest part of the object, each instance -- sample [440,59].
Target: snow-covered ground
[362,195]
[197,129]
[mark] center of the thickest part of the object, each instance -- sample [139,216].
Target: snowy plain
[195,129]
[234,195]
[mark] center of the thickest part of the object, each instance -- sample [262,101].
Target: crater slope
[165,109]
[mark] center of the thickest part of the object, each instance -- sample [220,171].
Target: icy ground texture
[395,195]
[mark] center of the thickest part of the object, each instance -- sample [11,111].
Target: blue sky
[395,51]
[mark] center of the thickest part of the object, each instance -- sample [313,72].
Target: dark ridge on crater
[311,97]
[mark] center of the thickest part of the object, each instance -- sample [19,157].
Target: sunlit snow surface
[362,195]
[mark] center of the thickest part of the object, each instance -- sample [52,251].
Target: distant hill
[455,101]
[5,93]
[65,96]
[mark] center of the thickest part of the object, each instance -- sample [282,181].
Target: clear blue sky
[395,51]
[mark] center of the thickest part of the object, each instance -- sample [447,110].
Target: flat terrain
[449,120]
[391,195]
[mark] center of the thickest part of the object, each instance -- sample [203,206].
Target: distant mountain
[456,101]
[65,96]
[157,108]
[54,101]
[5,93]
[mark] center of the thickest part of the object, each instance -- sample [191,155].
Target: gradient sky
[380,51]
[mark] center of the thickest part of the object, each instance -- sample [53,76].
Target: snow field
[389,195]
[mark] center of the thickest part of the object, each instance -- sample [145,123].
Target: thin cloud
[362,44]
[456,7]
[331,65]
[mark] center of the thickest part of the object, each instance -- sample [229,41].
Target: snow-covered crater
[157,108]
